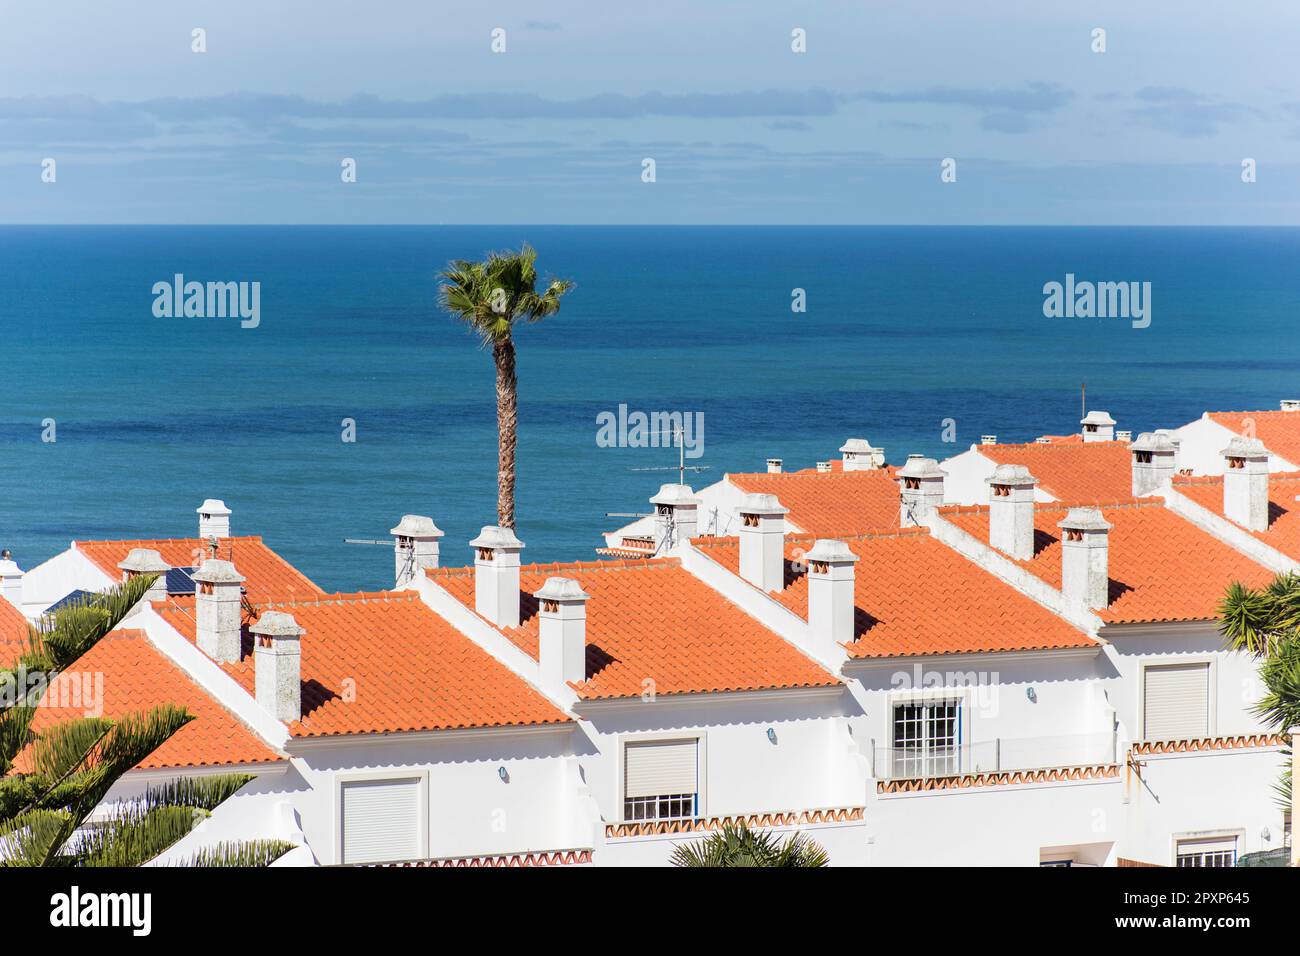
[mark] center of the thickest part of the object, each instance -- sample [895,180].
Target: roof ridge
[344,597]
[233,537]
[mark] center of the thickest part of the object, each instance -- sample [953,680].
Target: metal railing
[994,756]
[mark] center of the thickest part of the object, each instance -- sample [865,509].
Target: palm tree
[1266,623]
[490,296]
[738,845]
[51,782]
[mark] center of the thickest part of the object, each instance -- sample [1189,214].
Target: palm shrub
[490,296]
[738,845]
[1265,622]
[69,768]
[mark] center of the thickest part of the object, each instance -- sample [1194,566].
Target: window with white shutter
[1220,851]
[1177,701]
[381,820]
[661,780]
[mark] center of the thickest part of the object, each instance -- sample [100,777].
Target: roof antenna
[1083,399]
[681,468]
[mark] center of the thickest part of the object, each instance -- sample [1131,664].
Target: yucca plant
[68,769]
[490,296]
[738,845]
[1265,622]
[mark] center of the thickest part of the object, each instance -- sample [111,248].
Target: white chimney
[762,541]
[277,665]
[415,545]
[860,455]
[1123,434]
[1245,483]
[831,600]
[1155,460]
[676,517]
[496,575]
[562,634]
[1085,558]
[774,466]
[11,580]
[1011,511]
[920,483]
[214,519]
[1290,405]
[824,467]
[1174,439]
[988,439]
[147,561]
[218,610]
[1042,440]
[1097,426]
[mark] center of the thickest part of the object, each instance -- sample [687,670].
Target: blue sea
[904,328]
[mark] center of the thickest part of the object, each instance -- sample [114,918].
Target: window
[1219,851]
[927,738]
[1177,702]
[661,780]
[381,820]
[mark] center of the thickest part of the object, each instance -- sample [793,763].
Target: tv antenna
[681,468]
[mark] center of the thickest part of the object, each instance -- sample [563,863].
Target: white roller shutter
[381,820]
[1177,701]
[654,768]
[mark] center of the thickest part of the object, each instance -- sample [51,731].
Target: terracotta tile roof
[268,574]
[1283,532]
[13,628]
[1078,471]
[137,677]
[835,502]
[1279,431]
[1162,568]
[916,596]
[383,663]
[655,621]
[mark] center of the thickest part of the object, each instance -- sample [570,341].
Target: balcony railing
[994,756]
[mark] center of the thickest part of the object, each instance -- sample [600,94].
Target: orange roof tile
[1283,532]
[13,628]
[124,673]
[382,663]
[268,575]
[1279,431]
[1072,471]
[1162,568]
[835,502]
[655,621]
[915,596]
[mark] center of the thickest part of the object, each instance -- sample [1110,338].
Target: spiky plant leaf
[736,845]
[247,854]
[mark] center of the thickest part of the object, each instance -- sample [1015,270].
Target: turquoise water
[905,327]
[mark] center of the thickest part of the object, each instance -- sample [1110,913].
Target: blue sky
[742,130]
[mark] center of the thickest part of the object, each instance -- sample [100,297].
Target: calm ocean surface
[905,327]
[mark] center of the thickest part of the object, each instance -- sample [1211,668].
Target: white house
[1203,440]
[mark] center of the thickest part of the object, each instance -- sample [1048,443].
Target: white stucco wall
[963,482]
[1202,444]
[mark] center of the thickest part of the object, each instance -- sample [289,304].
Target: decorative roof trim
[510,860]
[781,818]
[1003,778]
[1207,743]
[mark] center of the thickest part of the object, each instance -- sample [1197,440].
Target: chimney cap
[276,624]
[1084,519]
[216,571]
[213,506]
[675,495]
[920,467]
[988,439]
[561,589]
[1241,447]
[1007,474]
[417,526]
[496,538]
[832,551]
[757,503]
[144,561]
[1154,442]
[1290,405]
[1097,417]
[858,446]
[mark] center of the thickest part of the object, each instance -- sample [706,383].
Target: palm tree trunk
[503,353]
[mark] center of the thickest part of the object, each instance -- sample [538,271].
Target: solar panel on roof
[180,580]
[72,597]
